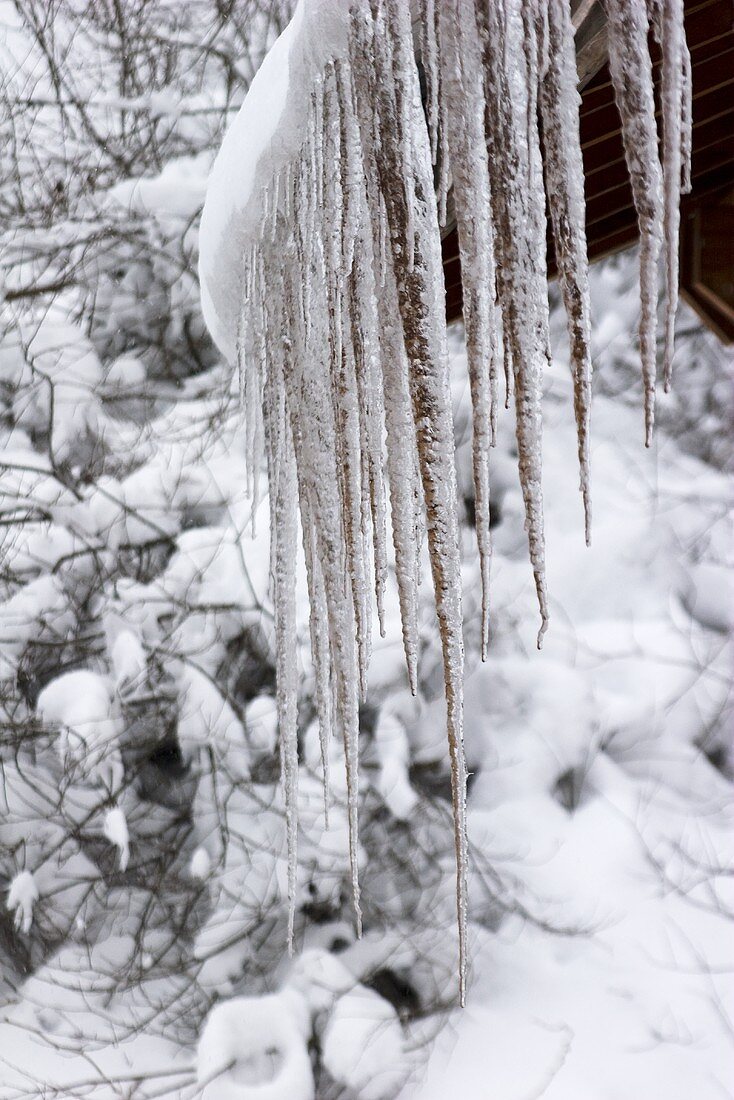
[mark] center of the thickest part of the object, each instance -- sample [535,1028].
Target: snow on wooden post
[321,277]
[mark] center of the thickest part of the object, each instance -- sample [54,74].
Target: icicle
[531,349]
[284,535]
[309,388]
[631,72]
[247,408]
[265,215]
[462,84]
[360,309]
[672,38]
[444,167]
[401,455]
[317,137]
[304,232]
[288,191]
[365,342]
[564,168]
[494,139]
[429,60]
[319,644]
[668,24]
[686,120]
[403,475]
[421,301]
[318,614]
[344,386]
[348,432]
[511,62]
[251,345]
[400,52]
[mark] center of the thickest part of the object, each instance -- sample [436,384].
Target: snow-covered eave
[265,136]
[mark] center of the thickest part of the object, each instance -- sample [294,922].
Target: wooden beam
[707,264]
[590,25]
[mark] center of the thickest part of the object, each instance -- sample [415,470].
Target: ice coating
[322,276]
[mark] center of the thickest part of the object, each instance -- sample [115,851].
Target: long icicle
[270,310]
[559,101]
[462,83]
[631,72]
[285,536]
[400,436]
[668,24]
[519,206]
[417,263]
[362,308]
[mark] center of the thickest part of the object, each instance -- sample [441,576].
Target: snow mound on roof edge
[265,135]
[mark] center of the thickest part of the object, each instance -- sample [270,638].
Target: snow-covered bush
[255,1048]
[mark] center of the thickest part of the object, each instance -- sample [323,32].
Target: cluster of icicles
[342,338]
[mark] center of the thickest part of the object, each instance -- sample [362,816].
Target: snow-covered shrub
[255,1048]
